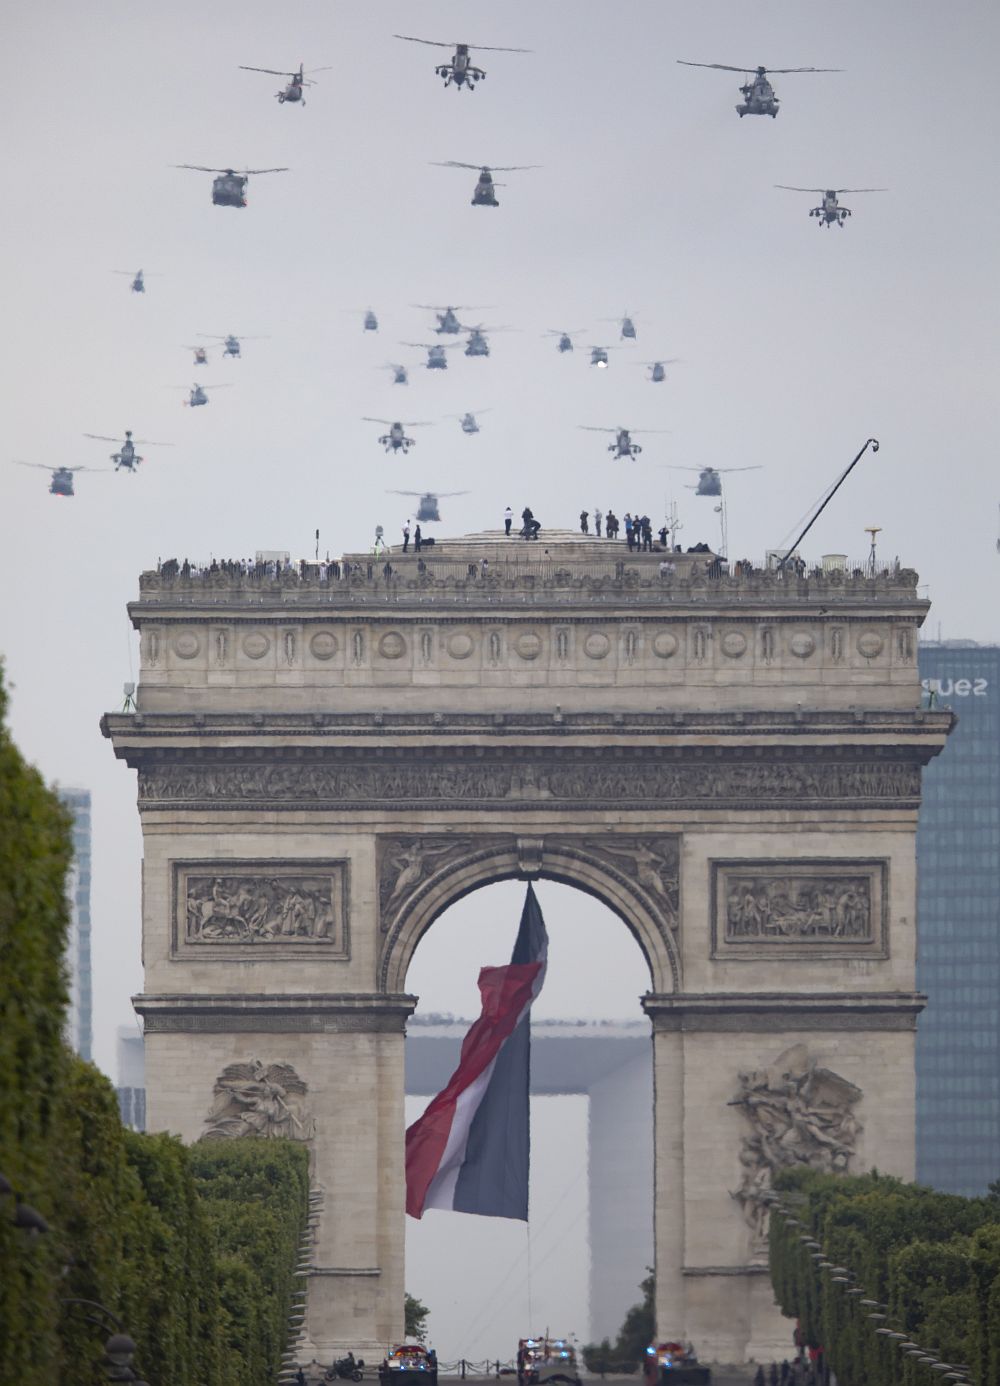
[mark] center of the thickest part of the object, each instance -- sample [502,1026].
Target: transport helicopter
[469,423]
[369,322]
[396,440]
[622,446]
[565,342]
[125,454]
[138,278]
[436,358]
[599,357]
[460,72]
[447,317]
[229,189]
[61,478]
[428,511]
[296,81]
[399,373]
[197,394]
[710,478]
[477,343]
[200,355]
[759,96]
[830,210]
[484,194]
[656,372]
[626,327]
[230,343]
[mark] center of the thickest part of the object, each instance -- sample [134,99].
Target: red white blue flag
[470,1150]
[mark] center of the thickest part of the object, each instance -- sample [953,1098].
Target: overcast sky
[796,342]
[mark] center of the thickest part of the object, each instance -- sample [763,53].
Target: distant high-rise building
[131,1088]
[79,1024]
[958,921]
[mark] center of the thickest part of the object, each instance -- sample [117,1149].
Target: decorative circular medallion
[461,645]
[870,644]
[664,644]
[528,645]
[802,644]
[596,645]
[256,645]
[734,644]
[186,644]
[391,645]
[323,644]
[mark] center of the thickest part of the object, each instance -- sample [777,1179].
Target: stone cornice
[289,1013]
[777,1012]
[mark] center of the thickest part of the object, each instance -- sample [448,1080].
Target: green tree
[634,1336]
[415,1318]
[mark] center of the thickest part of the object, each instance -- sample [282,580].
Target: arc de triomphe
[732,764]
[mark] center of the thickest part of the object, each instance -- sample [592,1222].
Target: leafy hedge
[932,1259]
[193,1249]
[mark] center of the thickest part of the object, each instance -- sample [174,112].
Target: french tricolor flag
[470,1149]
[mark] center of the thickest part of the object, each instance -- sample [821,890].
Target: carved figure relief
[220,647]
[799,1114]
[837,644]
[289,641]
[653,861]
[277,909]
[699,644]
[426,646]
[495,647]
[407,862]
[787,909]
[630,643]
[262,1100]
[358,644]
[153,648]
[767,644]
[562,643]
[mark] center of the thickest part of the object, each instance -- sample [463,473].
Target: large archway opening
[576,1267]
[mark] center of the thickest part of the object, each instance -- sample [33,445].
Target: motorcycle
[347,1368]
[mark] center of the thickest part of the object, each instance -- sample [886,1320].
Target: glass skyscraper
[958,925]
[80,1021]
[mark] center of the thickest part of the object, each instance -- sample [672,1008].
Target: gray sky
[797,343]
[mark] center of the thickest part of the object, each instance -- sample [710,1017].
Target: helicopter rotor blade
[433,43]
[484,48]
[311,70]
[201,168]
[271,71]
[42,466]
[101,438]
[663,361]
[721,67]
[248,171]
[720,470]
[789,187]
[804,69]
[455,163]
[857,190]
[149,442]
[594,428]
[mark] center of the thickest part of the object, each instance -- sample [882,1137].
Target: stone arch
[634,876]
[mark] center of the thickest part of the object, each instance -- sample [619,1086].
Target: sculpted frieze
[270,909]
[259,1100]
[811,909]
[220,783]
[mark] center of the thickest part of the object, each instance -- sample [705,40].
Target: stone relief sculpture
[798,907]
[407,862]
[260,909]
[799,1114]
[654,863]
[256,1099]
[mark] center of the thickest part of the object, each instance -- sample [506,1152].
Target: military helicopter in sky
[427,504]
[125,454]
[460,71]
[758,95]
[469,423]
[565,342]
[296,81]
[138,285]
[399,373]
[599,357]
[447,317]
[436,358]
[200,355]
[197,394]
[830,210]
[710,478]
[626,327]
[61,479]
[623,445]
[229,189]
[396,440]
[477,343]
[230,343]
[484,194]
[656,372]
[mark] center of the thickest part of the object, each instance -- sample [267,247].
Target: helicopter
[468,421]
[229,189]
[399,373]
[623,445]
[830,210]
[200,355]
[710,478]
[484,194]
[231,343]
[396,440]
[427,504]
[477,343]
[599,357]
[565,342]
[758,95]
[296,81]
[138,285]
[126,455]
[626,325]
[61,479]
[436,358]
[197,394]
[656,372]
[447,317]
[461,70]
